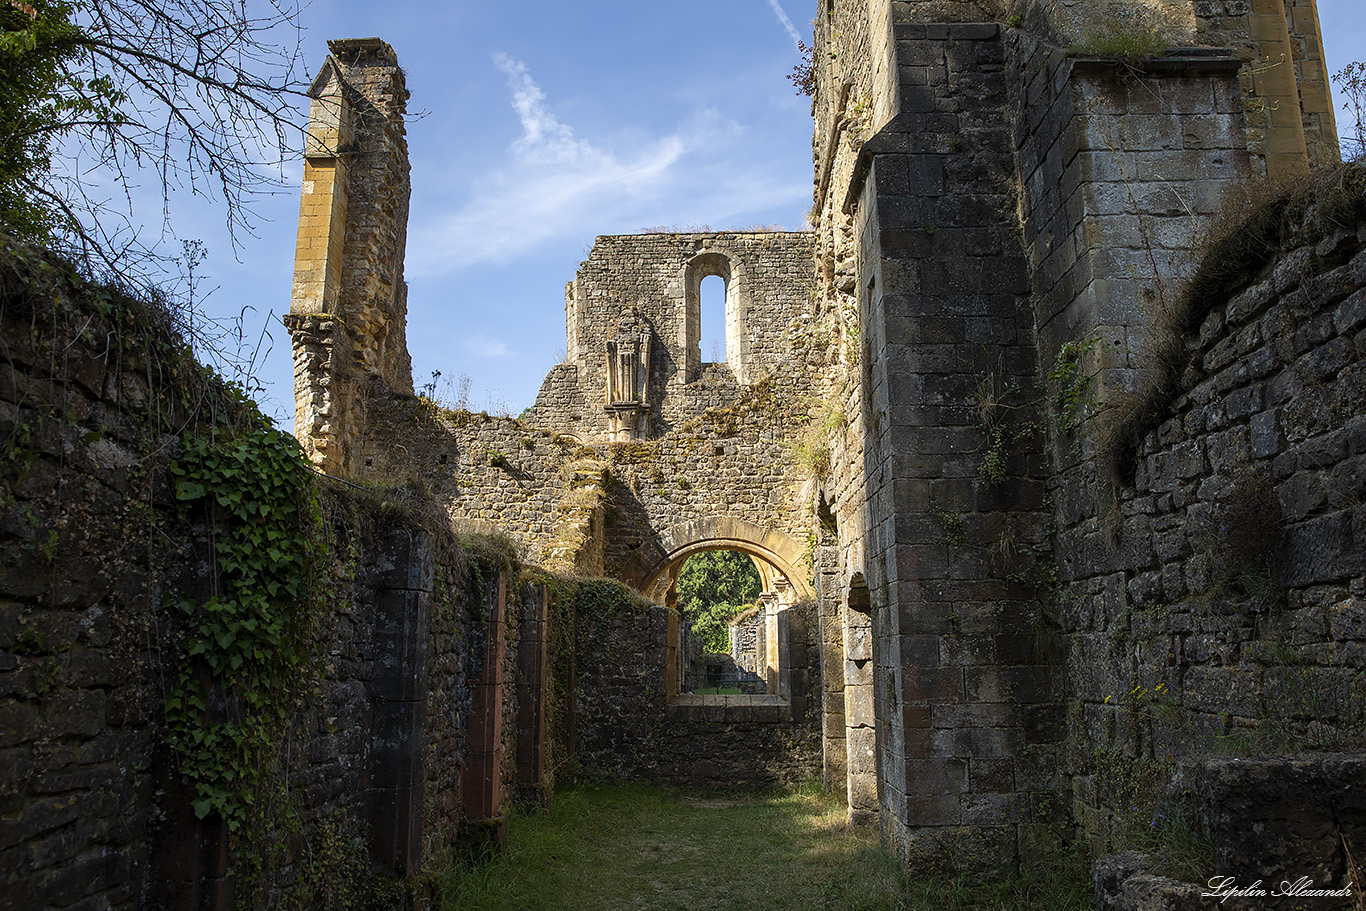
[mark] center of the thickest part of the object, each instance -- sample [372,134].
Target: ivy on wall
[245,649]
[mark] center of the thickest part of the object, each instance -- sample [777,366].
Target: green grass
[637,847]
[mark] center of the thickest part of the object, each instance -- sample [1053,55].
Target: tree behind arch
[714,586]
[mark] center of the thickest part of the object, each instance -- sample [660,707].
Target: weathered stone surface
[1280,819]
[92,815]
[628,727]
[988,211]
[348,314]
[1122,883]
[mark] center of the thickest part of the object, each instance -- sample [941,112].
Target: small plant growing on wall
[1242,535]
[951,523]
[992,400]
[1128,44]
[1070,386]
[803,75]
[811,447]
[1351,84]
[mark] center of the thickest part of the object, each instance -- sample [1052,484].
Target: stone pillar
[1130,166]
[771,658]
[348,311]
[1311,78]
[628,377]
[191,868]
[673,658]
[398,696]
[322,207]
[191,855]
[481,784]
[323,386]
[575,315]
[533,686]
[860,735]
[1284,91]
[834,770]
[1270,83]
[948,328]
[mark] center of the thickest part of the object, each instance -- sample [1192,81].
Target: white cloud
[544,139]
[555,184]
[483,348]
[787,23]
[552,185]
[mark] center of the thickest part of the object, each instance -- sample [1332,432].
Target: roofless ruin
[1051,468]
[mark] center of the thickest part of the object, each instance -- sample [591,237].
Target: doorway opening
[730,636]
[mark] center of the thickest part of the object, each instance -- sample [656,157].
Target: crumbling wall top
[657,278]
[353,51]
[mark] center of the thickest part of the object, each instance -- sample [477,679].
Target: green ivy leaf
[188,490]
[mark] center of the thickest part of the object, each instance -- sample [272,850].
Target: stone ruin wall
[657,275]
[948,356]
[349,304]
[382,754]
[733,463]
[944,711]
[1216,605]
[938,131]
[1115,181]
[719,431]
[855,93]
[712,453]
[627,728]
[1287,104]
[625,725]
[492,474]
[716,447]
[1138,172]
[719,467]
[1283,84]
[77,778]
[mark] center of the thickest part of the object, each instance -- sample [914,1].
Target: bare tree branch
[205,94]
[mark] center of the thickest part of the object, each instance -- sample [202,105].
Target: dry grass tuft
[1239,249]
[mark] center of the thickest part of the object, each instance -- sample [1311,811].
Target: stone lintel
[1179,61]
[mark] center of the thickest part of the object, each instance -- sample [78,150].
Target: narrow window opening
[713,336]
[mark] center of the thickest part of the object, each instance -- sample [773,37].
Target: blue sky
[541,127]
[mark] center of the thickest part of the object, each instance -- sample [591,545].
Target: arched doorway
[775,556]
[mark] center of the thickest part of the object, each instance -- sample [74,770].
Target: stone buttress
[994,195]
[349,306]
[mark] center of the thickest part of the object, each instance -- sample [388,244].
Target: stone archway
[671,547]
[654,570]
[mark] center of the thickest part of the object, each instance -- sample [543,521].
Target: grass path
[626,847]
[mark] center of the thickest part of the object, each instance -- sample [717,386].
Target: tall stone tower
[349,306]
[996,187]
